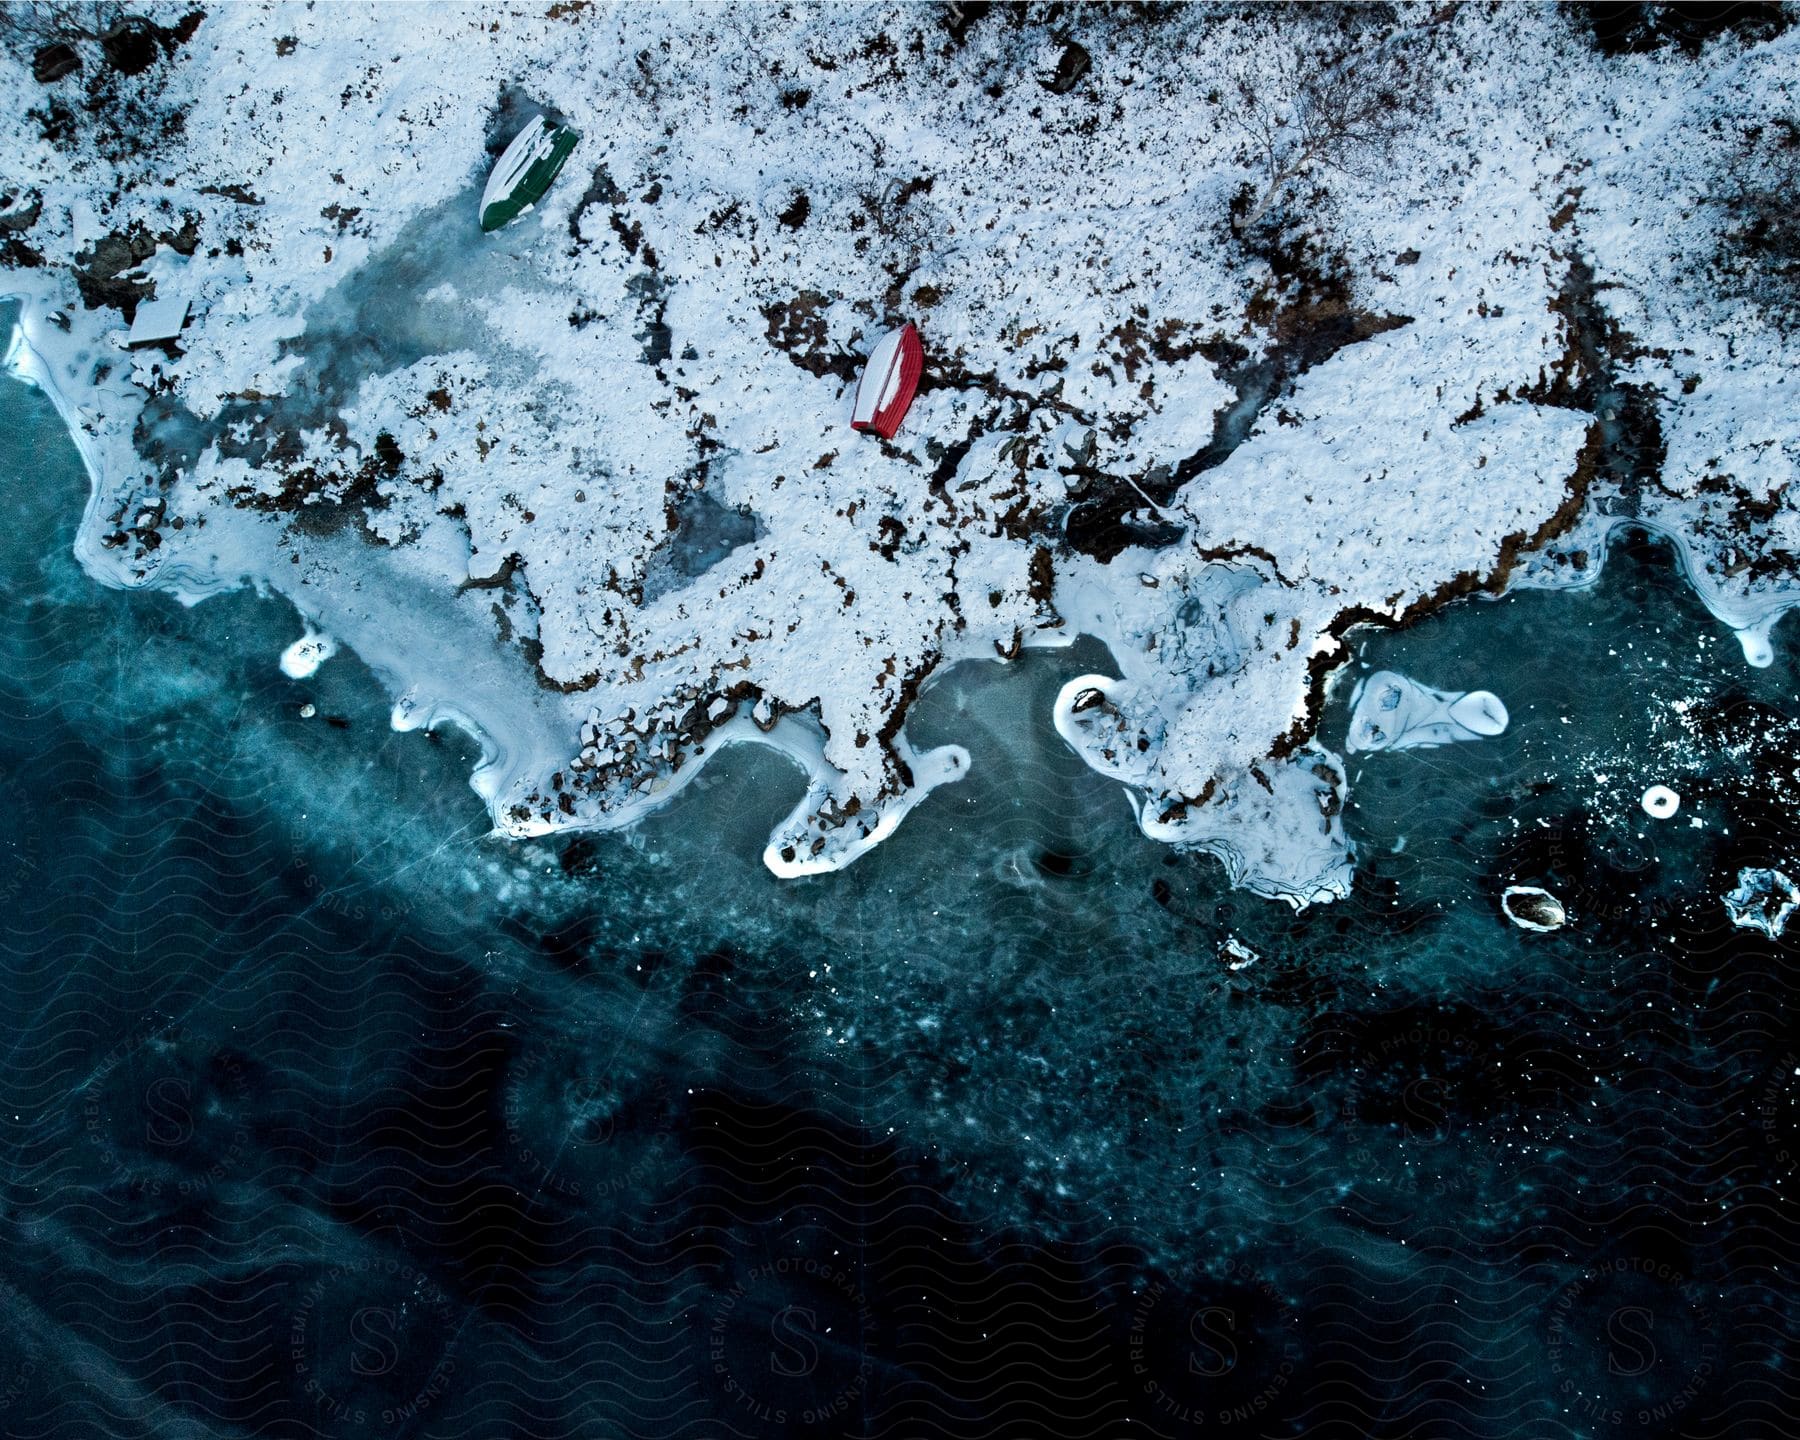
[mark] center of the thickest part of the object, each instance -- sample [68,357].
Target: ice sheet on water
[421,296]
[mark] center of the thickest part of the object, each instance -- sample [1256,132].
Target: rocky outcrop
[51,62]
[105,273]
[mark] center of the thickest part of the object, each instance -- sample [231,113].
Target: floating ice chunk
[1391,712]
[1480,713]
[301,660]
[1660,802]
[1236,954]
[1755,640]
[1532,908]
[1764,900]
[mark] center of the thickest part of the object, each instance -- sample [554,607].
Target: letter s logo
[1629,1330]
[377,1352]
[171,1116]
[1426,1103]
[1218,1353]
[793,1329]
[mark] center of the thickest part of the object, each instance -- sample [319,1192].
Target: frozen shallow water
[706,532]
[420,296]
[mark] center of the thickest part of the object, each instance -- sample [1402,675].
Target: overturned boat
[889,382]
[525,171]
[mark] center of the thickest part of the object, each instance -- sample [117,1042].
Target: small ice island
[1391,712]
[562,438]
[1764,899]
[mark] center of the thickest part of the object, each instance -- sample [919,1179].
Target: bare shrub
[41,22]
[1320,97]
[1758,255]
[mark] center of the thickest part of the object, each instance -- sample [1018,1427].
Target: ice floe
[1765,899]
[1532,908]
[1391,712]
[1236,954]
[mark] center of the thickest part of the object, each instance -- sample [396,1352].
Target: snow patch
[303,658]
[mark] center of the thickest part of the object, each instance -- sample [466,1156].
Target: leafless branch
[1759,242]
[44,22]
[1318,100]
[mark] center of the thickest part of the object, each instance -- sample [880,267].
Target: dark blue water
[324,1113]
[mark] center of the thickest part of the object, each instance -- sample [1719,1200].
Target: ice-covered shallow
[988,1119]
[1276,829]
[594,474]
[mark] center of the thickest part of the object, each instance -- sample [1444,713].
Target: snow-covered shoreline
[476,505]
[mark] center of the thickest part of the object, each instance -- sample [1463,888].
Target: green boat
[524,172]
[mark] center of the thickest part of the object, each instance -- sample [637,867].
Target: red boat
[888,383]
